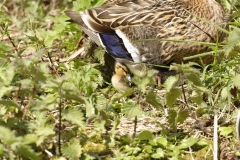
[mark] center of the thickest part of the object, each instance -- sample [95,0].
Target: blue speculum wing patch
[114,45]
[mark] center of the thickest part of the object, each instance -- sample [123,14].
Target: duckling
[118,25]
[120,80]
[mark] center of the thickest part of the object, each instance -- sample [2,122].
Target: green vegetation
[54,108]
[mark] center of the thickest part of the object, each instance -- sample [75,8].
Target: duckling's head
[120,80]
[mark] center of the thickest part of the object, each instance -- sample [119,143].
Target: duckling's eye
[123,69]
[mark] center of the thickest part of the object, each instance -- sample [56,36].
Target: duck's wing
[107,18]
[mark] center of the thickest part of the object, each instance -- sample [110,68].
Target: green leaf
[224,131]
[171,82]
[172,114]
[197,97]
[186,143]
[202,143]
[193,77]
[152,99]
[77,98]
[7,136]
[90,109]
[175,152]
[7,74]
[182,115]
[1,149]
[236,81]
[4,48]
[43,132]
[145,135]
[225,92]
[5,90]
[159,154]
[30,138]
[153,142]
[162,141]
[99,55]
[27,152]
[172,96]
[9,103]
[72,149]
[131,109]
[75,116]
[3,17]
[118,96]
[148,148]
[232,40]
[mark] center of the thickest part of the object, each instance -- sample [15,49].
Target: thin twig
[31,97]
[215,136]
[60,122]
[183,91]
[53,66]
[135,128]
[10,39]
[135,119]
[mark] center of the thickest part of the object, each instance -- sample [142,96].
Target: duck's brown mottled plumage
[162,19]
[149,29]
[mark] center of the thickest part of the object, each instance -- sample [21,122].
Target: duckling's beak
[129,77]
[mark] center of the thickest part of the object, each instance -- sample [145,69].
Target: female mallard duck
[147,30]
[143,30]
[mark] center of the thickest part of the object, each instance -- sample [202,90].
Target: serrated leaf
[7,74]
[232,40]
[7,136]
[186,143]
[236,81]
[99,55]
[131,109]
[182,115]
[4,47]
[225,92]
[118,96]
[90,109]
[4,90]
[194,78]
[172,96]
[75,116]
[3,17]
[72,149]
[30,138]
[196,97]
[77,98]
[172,118]
[145,135]
[9,103]
[45,130]
[25,83]
[27,152]
[202,89]
[152,99]
[171,82]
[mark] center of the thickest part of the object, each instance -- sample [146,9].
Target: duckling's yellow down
[119,79]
